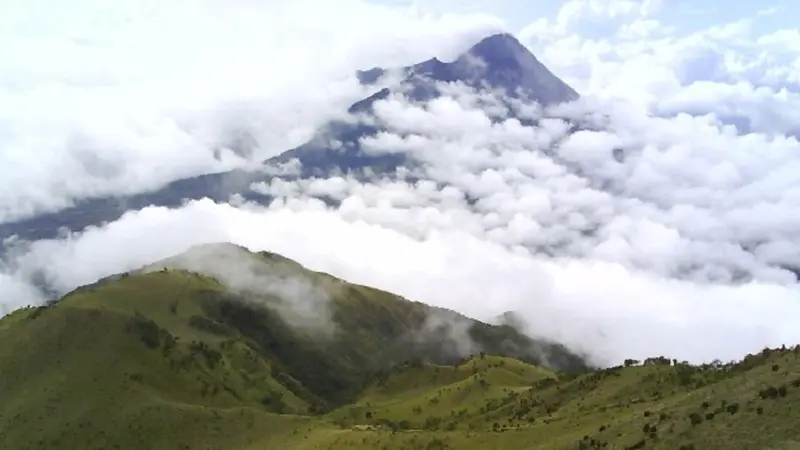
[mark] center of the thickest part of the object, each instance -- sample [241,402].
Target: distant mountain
[496,62]
[223,348]
[499,61]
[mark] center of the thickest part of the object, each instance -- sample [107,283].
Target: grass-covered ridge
[259,352]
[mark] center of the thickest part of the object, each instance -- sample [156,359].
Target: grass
[171,359]
[650,406]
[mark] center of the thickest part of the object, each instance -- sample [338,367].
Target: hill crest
[169,358]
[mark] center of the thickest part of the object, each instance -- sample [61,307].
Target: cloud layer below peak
[667,226]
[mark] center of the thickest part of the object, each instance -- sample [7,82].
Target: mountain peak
[501,46]
[501,61]
[496,61]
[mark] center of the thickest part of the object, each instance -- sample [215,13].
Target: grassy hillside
[498,403]
[260,353]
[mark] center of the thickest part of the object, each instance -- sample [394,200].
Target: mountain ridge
[498,61]
[166,357]
[511,67]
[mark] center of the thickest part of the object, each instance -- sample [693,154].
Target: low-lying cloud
[126,97]
[603,307]
[664,227]
[302,301]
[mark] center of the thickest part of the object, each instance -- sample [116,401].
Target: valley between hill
[223,348]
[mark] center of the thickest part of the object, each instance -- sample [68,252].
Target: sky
[679,250]
[684,14]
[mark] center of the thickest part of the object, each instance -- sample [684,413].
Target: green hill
[221,348]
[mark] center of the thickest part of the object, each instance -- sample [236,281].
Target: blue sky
[688,15]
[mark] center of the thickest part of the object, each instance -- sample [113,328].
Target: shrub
[274,402]
[203,323]
[149,332]
[432,423]
[638,445]
[211,356]
[436,444]
[770,392]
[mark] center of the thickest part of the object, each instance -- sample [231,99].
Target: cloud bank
[666,226]
[98,100]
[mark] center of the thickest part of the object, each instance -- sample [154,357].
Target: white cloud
[17,292]
[124,97]
[614,311]
[644,59]
[657,230]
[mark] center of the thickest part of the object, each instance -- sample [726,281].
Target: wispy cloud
[666,227]
[113,99]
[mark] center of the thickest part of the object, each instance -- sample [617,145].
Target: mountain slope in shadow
[498,62]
